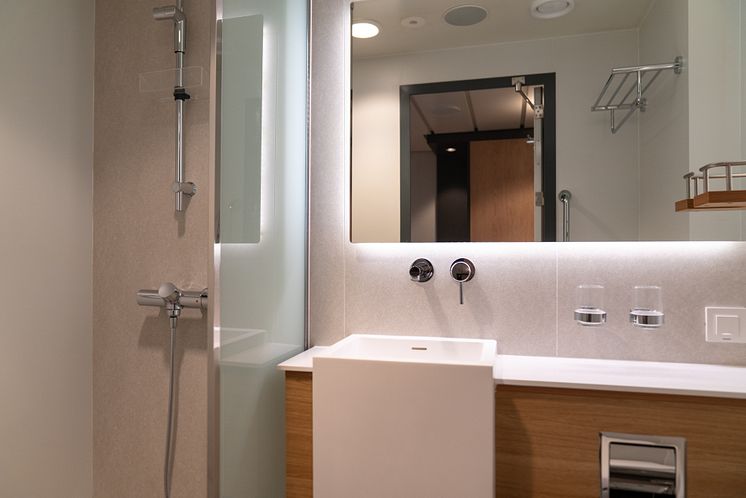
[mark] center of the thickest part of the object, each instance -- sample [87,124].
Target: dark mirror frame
[549,153]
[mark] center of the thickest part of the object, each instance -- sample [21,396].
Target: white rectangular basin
[412,349]
[404,417]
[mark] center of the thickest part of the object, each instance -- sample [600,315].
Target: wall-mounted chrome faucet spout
[175,13]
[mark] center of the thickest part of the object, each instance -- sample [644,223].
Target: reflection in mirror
[416,89]
[476,152]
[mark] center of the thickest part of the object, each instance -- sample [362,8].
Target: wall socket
[725,325]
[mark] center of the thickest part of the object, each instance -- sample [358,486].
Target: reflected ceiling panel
[501,108]
[445,112]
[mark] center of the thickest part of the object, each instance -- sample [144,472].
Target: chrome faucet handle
[462,270]
[171,296]
[169,292]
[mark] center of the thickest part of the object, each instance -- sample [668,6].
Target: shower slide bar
[564,197]
[636,90]
[176,14]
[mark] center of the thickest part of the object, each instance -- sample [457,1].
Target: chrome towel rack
[632,99]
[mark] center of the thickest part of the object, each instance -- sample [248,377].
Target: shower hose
[170,429]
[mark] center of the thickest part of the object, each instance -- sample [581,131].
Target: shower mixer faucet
[173,299]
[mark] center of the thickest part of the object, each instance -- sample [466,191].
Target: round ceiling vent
[465,15]
[549,9]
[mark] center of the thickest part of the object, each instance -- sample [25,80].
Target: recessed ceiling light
[465,15]
[451,149]
[413,22]
[365,29]
[549,9]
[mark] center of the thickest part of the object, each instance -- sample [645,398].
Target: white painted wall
[588,155]
[664,127]
[423,166]
[46,139]
[715,102]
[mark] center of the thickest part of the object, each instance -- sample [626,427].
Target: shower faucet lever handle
[462,270]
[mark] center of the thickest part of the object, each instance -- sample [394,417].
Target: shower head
[175,14]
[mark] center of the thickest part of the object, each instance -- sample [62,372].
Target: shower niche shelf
[722,188]
[632,98]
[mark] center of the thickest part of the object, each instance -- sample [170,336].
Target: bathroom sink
[401,417]
[435,350]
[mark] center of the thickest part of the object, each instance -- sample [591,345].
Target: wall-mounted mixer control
[173,299]
[462,270]
[421,270]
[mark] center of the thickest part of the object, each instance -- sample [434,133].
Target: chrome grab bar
[564,197]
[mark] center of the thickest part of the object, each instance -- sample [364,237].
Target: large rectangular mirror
[494,122]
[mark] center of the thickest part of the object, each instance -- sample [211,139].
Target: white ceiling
[494,109]
[507,20]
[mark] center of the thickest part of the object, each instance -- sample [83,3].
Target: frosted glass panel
[263,235]
[241,129]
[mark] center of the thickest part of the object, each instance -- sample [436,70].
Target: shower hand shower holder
[175,13]
[635,91]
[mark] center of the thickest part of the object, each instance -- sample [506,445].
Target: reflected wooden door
[501,187]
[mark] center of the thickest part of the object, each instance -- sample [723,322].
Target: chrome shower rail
[636,90]
[176,14]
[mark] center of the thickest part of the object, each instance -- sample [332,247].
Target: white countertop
[689,379]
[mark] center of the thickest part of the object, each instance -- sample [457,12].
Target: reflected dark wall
[452,207]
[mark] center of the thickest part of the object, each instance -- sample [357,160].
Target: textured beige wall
[138,243]
[46,161]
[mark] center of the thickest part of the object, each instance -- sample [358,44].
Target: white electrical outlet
[725,325]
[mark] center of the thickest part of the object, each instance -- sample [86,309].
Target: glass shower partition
[261,226]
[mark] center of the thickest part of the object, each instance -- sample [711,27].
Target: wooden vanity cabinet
[547,439]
